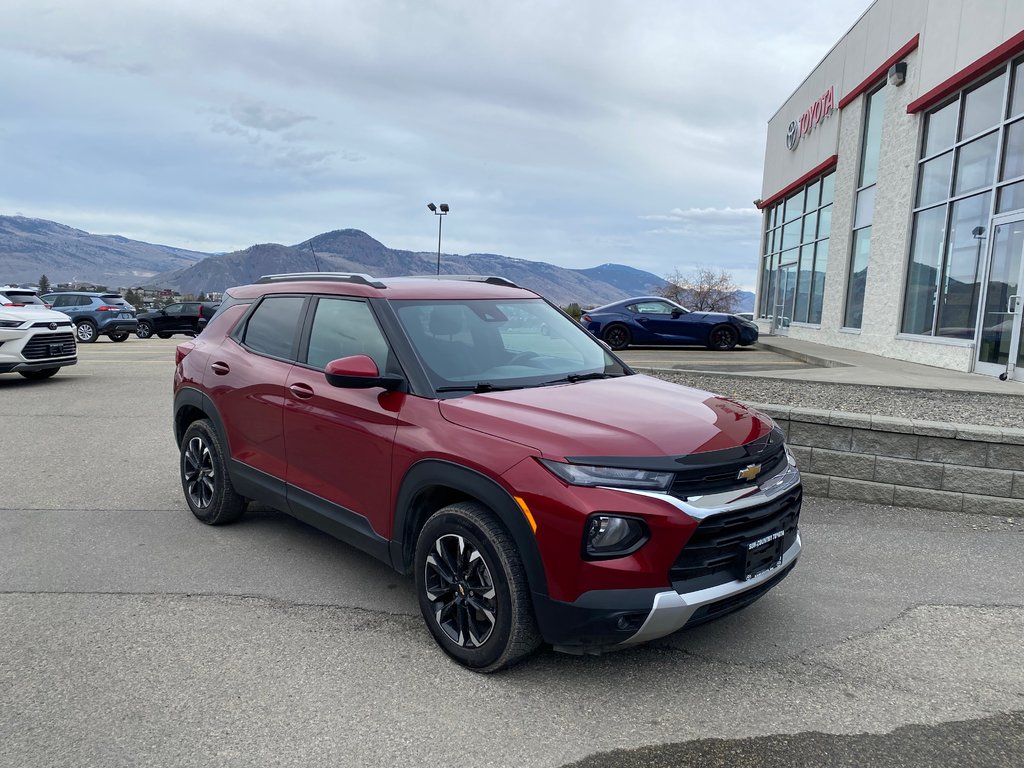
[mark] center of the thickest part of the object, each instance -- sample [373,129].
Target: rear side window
[272,327]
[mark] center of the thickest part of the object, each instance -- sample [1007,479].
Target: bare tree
[702,290]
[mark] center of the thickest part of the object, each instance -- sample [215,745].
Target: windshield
[482,345]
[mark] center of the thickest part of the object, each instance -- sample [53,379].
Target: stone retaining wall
[905,462]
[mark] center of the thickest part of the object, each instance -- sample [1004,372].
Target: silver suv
[34,341]
[96,314]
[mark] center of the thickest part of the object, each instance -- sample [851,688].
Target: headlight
[607,536]
[11,323]
[614,477]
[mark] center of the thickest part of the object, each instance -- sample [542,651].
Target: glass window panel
[976,164]
[810,227]
[858,278]
[865,207]
[803,284]
[272,328]
[1011,197]
[775,214]
[791,235]
[872,138]
[958,301]
[923,273]
[1017,100]
[813,195]
[794,206]
[825,221]
[983,107]
[818,281]
[1013,151]
[933,182]
[828,188]
[940,130]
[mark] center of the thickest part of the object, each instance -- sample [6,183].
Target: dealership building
[893,192]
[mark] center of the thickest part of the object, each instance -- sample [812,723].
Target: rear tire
[118,336]
[472,589]
[616,336]
[86,332]
[204,477]
[163,335]
[144,331]
[45,373]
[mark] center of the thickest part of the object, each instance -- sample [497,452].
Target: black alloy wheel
[723,338]
[144,331]
[86,332]
[472,589]
[616,336]
[118,336]
[204,478]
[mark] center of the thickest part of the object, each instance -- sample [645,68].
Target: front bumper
[605,620]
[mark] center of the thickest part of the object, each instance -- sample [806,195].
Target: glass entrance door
[1000,352]
[785,298]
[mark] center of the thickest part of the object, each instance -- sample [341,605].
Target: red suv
[472,434]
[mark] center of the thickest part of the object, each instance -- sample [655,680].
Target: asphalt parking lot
[134,635]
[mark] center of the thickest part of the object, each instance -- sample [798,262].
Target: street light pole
[439,211]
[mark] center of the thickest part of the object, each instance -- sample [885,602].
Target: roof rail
[489,279]
[337,277]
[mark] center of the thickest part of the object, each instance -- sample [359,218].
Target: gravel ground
[923,404]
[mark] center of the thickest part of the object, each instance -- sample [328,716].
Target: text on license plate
[763,554]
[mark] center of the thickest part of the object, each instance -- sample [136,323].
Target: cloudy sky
[577,132]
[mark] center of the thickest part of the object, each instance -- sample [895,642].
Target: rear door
[340,441]
[246,376]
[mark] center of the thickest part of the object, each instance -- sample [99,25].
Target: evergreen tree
[44,284]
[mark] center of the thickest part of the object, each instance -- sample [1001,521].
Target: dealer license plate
[763,554]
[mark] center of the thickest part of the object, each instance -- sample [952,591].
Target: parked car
[186,317]
[20,297]
[655,320]
[95,314]
[536,487]
[34,341]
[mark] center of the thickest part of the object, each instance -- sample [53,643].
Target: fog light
[610,536]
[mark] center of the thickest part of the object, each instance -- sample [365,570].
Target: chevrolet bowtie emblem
[749,472]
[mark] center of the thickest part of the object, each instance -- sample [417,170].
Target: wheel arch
[432,484]
[192,405]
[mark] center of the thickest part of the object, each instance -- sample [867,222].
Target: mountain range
[31,247]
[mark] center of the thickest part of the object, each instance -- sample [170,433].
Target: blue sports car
[653,320]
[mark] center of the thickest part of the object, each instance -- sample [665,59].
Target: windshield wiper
[572,378]
[480,386]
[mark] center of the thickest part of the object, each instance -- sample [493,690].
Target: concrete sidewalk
[844,366]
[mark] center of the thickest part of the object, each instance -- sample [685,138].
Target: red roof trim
[879,73]
[999,55]
[815,171]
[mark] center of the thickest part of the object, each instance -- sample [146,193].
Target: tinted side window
[343,327]
[174,309]
[272,326]
[61,301]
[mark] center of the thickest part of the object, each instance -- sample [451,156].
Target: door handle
[301,391]
[220,368]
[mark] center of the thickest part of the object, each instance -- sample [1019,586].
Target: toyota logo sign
[792,135]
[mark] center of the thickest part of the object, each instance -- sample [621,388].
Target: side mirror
[359,372]
[676,314]
[202,323]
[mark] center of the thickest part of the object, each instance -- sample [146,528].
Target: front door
[785,298]
[1000,352]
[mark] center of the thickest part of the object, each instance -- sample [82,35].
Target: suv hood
[31,313]
[628,416]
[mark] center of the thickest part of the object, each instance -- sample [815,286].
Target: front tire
[144,331]
[723,338]
[616,336]
[45,373]
[209,492]
[163,335]
[472,589]
[86,332]
[118,336]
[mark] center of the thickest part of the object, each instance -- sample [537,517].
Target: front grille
[716,553]
[724,476]
[43,346]
[46,324]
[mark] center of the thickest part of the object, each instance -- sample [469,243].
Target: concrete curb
[905,462]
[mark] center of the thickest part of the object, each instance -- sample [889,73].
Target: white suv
[34,341]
